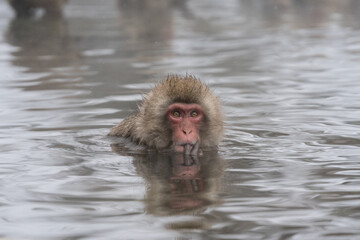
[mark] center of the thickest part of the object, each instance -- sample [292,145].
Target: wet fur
[150,126]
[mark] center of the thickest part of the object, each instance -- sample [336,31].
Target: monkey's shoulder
[125,128]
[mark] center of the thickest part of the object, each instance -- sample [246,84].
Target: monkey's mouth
[187,148]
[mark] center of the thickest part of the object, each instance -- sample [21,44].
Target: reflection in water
[300,13]
[26,8]
[179,184]
[149,20]
[44,47]
[41,41]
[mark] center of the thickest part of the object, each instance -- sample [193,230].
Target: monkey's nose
[187,132]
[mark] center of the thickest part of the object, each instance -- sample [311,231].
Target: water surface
[287,73]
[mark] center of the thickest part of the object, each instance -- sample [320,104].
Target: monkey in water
[25,8]
[180,114]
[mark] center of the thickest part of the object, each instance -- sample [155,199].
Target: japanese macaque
[25,8]
[180,114]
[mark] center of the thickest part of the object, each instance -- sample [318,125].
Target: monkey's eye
[176,114]
[194,114]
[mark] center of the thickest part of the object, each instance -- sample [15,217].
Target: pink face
[185,120]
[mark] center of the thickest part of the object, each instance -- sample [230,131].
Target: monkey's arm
[125,128]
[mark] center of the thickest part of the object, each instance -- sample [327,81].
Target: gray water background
[287,73]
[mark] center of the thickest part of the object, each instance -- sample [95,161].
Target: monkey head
[181,114]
